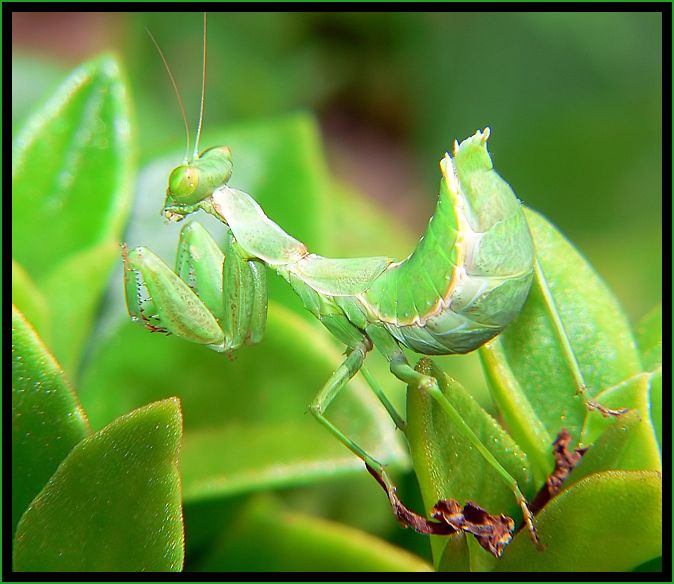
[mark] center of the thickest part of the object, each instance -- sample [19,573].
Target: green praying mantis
[466,280]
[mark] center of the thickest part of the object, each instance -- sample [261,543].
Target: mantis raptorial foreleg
[213,298]
[158,298]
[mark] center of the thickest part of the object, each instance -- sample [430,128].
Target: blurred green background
[573,101]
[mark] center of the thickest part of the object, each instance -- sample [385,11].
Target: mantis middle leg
[351,365]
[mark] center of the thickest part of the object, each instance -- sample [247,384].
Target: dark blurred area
[573,101]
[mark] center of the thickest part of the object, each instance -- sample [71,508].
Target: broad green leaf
[649,338]
[71,169]
[524,425]
[28,298]
[531,364]
[246,419]
[266,537]
[71,175]
[47,419]
[354,500]
[446,463]
[455,555]
[75,288]
[616,449]
[280,162]
[114,504]
[607,522]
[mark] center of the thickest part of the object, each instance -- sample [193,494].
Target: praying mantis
[466,280]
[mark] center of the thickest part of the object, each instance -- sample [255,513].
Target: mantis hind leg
[381,396]
[404,371]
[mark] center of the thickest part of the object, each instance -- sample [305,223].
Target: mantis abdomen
[472,270]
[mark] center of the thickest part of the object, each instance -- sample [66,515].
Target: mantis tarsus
[464,283]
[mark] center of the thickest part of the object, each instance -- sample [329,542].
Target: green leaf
[72,166]
[246,419]
[454,553]
[649,338]
[610,521]
[47,419]
[114,504]
[75,288]
[266,537]
[280,162]
[71,169]
[530,365]
[446,463]
[618,448]
[28,298]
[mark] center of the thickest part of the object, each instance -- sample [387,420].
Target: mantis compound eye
[189,184]
[184,185]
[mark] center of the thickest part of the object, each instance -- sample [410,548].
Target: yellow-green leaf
[114,504]
[47,419]
[30,300]
[447,464]
[71,168]
[265,536]
[611,521]
[75,289]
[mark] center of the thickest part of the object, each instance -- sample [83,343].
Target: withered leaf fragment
[492,532]
[565,461]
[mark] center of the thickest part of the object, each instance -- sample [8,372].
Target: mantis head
[191,184]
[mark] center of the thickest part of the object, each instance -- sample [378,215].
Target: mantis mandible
[466,280]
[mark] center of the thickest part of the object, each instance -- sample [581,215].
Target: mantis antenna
[203,94]
[180,99]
